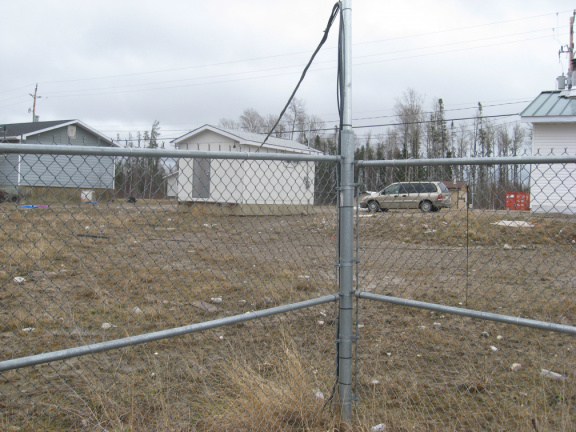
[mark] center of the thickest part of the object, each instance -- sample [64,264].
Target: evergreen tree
[141,177]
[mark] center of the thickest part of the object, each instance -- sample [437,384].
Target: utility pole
[35,96]
[571,80]
[346,234]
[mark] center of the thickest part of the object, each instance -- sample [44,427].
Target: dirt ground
[92,273]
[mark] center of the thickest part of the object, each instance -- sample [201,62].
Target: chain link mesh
[424,370]
[96,248]
[85,260]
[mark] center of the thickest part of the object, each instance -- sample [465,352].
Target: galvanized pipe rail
[73,150]
[505,319]
[163,334]
[501,160]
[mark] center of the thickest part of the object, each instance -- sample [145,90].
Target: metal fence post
[346,226]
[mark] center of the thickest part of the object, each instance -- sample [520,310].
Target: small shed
[458,192]
[553,117]
[242,186]
[59,177]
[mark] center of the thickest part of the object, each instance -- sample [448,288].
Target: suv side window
[404,188]
[420,187]
[391,190]
[410,187]
[430,188]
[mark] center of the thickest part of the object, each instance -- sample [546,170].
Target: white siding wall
[225,175]
[246,182]
[553,187]
[279,182]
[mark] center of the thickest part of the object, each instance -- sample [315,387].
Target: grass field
[93,273]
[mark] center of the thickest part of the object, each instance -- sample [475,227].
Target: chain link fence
[425,368]
[190,291]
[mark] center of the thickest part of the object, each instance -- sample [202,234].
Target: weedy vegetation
[157,265]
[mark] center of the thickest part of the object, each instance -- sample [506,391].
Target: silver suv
[426,196]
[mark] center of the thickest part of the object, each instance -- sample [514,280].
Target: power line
[306,52]
[464,28]
[467,129]
[331,129]
[448,110]
[105,90]
[459,43]
[451,51]
[296,53]
[101,92]
[434,121]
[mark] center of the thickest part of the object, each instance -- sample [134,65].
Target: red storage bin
[518,201]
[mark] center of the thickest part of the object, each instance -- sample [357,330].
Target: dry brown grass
[412,374]
[279,395]
[473,228]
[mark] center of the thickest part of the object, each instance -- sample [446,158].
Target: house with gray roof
[47,177]
[245,186]
[553,117]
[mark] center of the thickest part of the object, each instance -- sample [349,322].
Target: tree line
[418,134]
[414,134]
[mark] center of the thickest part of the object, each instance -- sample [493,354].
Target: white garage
[244,186]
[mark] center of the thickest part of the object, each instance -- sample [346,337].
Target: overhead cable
[333,15]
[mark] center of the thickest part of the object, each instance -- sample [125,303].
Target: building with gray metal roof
[554,106]
[553,118]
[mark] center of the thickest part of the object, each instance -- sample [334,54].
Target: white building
[245,186]
[553,116]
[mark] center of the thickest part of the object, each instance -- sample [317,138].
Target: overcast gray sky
[118,65]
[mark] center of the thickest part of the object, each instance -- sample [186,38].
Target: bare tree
[280,131]
[252,121]
[228,124]
[519,135]
[296,124]
[297,119]
[315,126]
[409,111]
[461,147]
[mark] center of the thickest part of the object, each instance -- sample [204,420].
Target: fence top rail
[56,149]
[507,160]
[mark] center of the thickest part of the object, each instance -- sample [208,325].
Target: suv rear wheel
[426,206]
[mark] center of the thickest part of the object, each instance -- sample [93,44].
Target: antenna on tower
[570,80]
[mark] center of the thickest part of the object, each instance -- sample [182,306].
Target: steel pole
[346,258]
